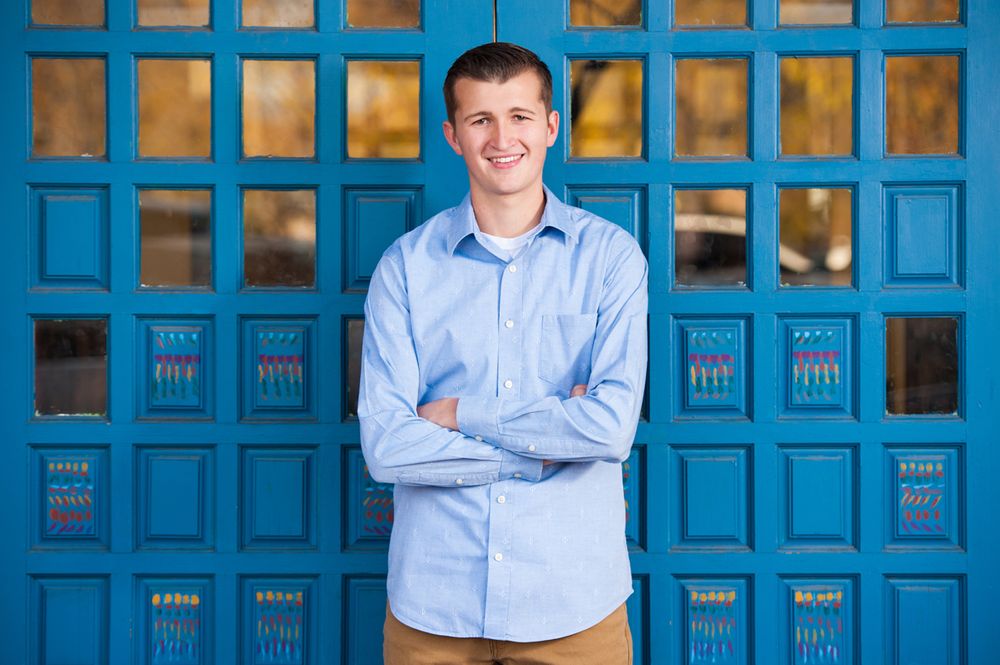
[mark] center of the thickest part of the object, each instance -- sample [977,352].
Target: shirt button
[517,475]
[509,323]
[531,449]
[501,499]
[458,481]
[508,384]
[498,556]
[479,438]
[512,268]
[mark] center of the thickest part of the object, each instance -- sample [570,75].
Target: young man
[502,374]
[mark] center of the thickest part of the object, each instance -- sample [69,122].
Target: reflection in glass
[816,12]
[278,14]
[710,243]
[711,107]
[817,106]
[68,107]
[279,108]
[175,108]
[71,367]
[605,13]
[355,334]
[921,365]
[67,12]
[815,237]
[171,13]
[279,237]
[175,237]
[383,109]
[921,104]
[606,108]
[383,13]
[710,13]
[921,11]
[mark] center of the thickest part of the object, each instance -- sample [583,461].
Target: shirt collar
[555,214]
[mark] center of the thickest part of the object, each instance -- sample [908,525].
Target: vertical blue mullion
[763,14]
[763,237]
[224,15]
[869,14]
[330,105]
[328,15]
[765,99]
[329,235]
[763,362]
[121,614]
[869,223]
[659,100]
[870,365]
[121,116]
[871,625]
[768,625]
[658,228]
[872,477]
[118,14]
[663,626]
[657,15]
[869,125]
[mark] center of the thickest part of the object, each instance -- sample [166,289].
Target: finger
[579,390]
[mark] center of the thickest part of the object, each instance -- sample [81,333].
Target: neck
[508,216]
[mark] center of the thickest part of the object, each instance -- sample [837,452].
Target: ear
[451,137]
[553,128]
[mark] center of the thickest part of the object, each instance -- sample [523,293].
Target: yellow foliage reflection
[383,109]
[67,12]
[711,118]
[605,13]
[710,13]
[170,13]
[383,13]
[279,108]
[175,108]
[279,237]
[816,12]
[606,108]
[278,14]
[921,104]
[815,237]
[817,106]
[68,107]
[921,11]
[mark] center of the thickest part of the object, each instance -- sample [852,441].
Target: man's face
[502,131]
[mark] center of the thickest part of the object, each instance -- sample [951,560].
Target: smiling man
[502,374]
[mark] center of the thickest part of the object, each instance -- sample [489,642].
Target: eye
[480,121]
[521,117]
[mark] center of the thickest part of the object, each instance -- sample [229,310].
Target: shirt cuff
[477,417]
[513,465]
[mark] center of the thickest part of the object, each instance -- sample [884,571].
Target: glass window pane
[815,245]
[67,12]
[710,13]
[383,13]
[175,237]
[279,108]
[175,108]
[278,14]
[170,13]
[68,107]
[817,106]
[921,365]
[605,13]
[711,107]
[710,228]
[606,108]
[279,237]
[71,367]
[816,12]
[383,102]
[921,104]
[355,335]
[921,11]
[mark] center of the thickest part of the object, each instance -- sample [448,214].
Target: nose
[502,135]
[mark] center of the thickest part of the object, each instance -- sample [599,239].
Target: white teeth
[504,160]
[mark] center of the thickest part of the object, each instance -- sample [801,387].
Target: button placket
[508,358]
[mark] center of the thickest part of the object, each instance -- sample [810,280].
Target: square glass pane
[711,107]
[710,13]
[68,107]
[279,108]
[173,13]
[605,13]
[815,247]
[817,111]
[175,237]
[67,12]
[278,14]
[175,108]
[279,237]
[355,334]
[710,237]
[816,12]
[383,109]
[921,11]
[383,13]
[921,365]
[606,108]
[71,367]
[921,104]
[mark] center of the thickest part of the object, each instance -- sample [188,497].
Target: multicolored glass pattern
[921,490]
[712,628]
[175,626]
[816,363]
[69,486]
[711,367]
[175,374]
[376,505]
[279,625]
[280,355]
[818,617]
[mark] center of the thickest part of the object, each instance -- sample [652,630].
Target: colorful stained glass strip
[69,488]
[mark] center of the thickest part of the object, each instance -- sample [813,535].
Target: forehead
[523,90]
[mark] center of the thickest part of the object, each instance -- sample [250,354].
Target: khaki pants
[607,643]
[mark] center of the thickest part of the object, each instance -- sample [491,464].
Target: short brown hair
[496,62]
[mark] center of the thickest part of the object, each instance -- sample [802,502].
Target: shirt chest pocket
[565,349]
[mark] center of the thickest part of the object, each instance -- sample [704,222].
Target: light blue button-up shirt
[487,542]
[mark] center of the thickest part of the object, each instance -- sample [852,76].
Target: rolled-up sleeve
[398,445]
[600,425]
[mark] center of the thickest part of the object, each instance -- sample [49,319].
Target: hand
[579,390]
[443,412]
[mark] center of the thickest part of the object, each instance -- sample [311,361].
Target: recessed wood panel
[364,611]
[69,238]
[820,620]
[68,619]
[175,378]
[373,219]
[816,367]
[817,498]
[924,620]
[174,497]
[279,369]
[279,622]
[176,620]
[711,501]
[924,497]
[625,206]
[922,235]
[714,367]
[70,498]
[714,625]
[278,498]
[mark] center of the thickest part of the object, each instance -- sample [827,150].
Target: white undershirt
[512,245]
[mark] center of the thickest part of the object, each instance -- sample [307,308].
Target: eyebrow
[516,109]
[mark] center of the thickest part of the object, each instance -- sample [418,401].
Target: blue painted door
[193,215]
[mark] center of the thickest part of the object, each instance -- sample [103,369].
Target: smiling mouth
[506,159]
